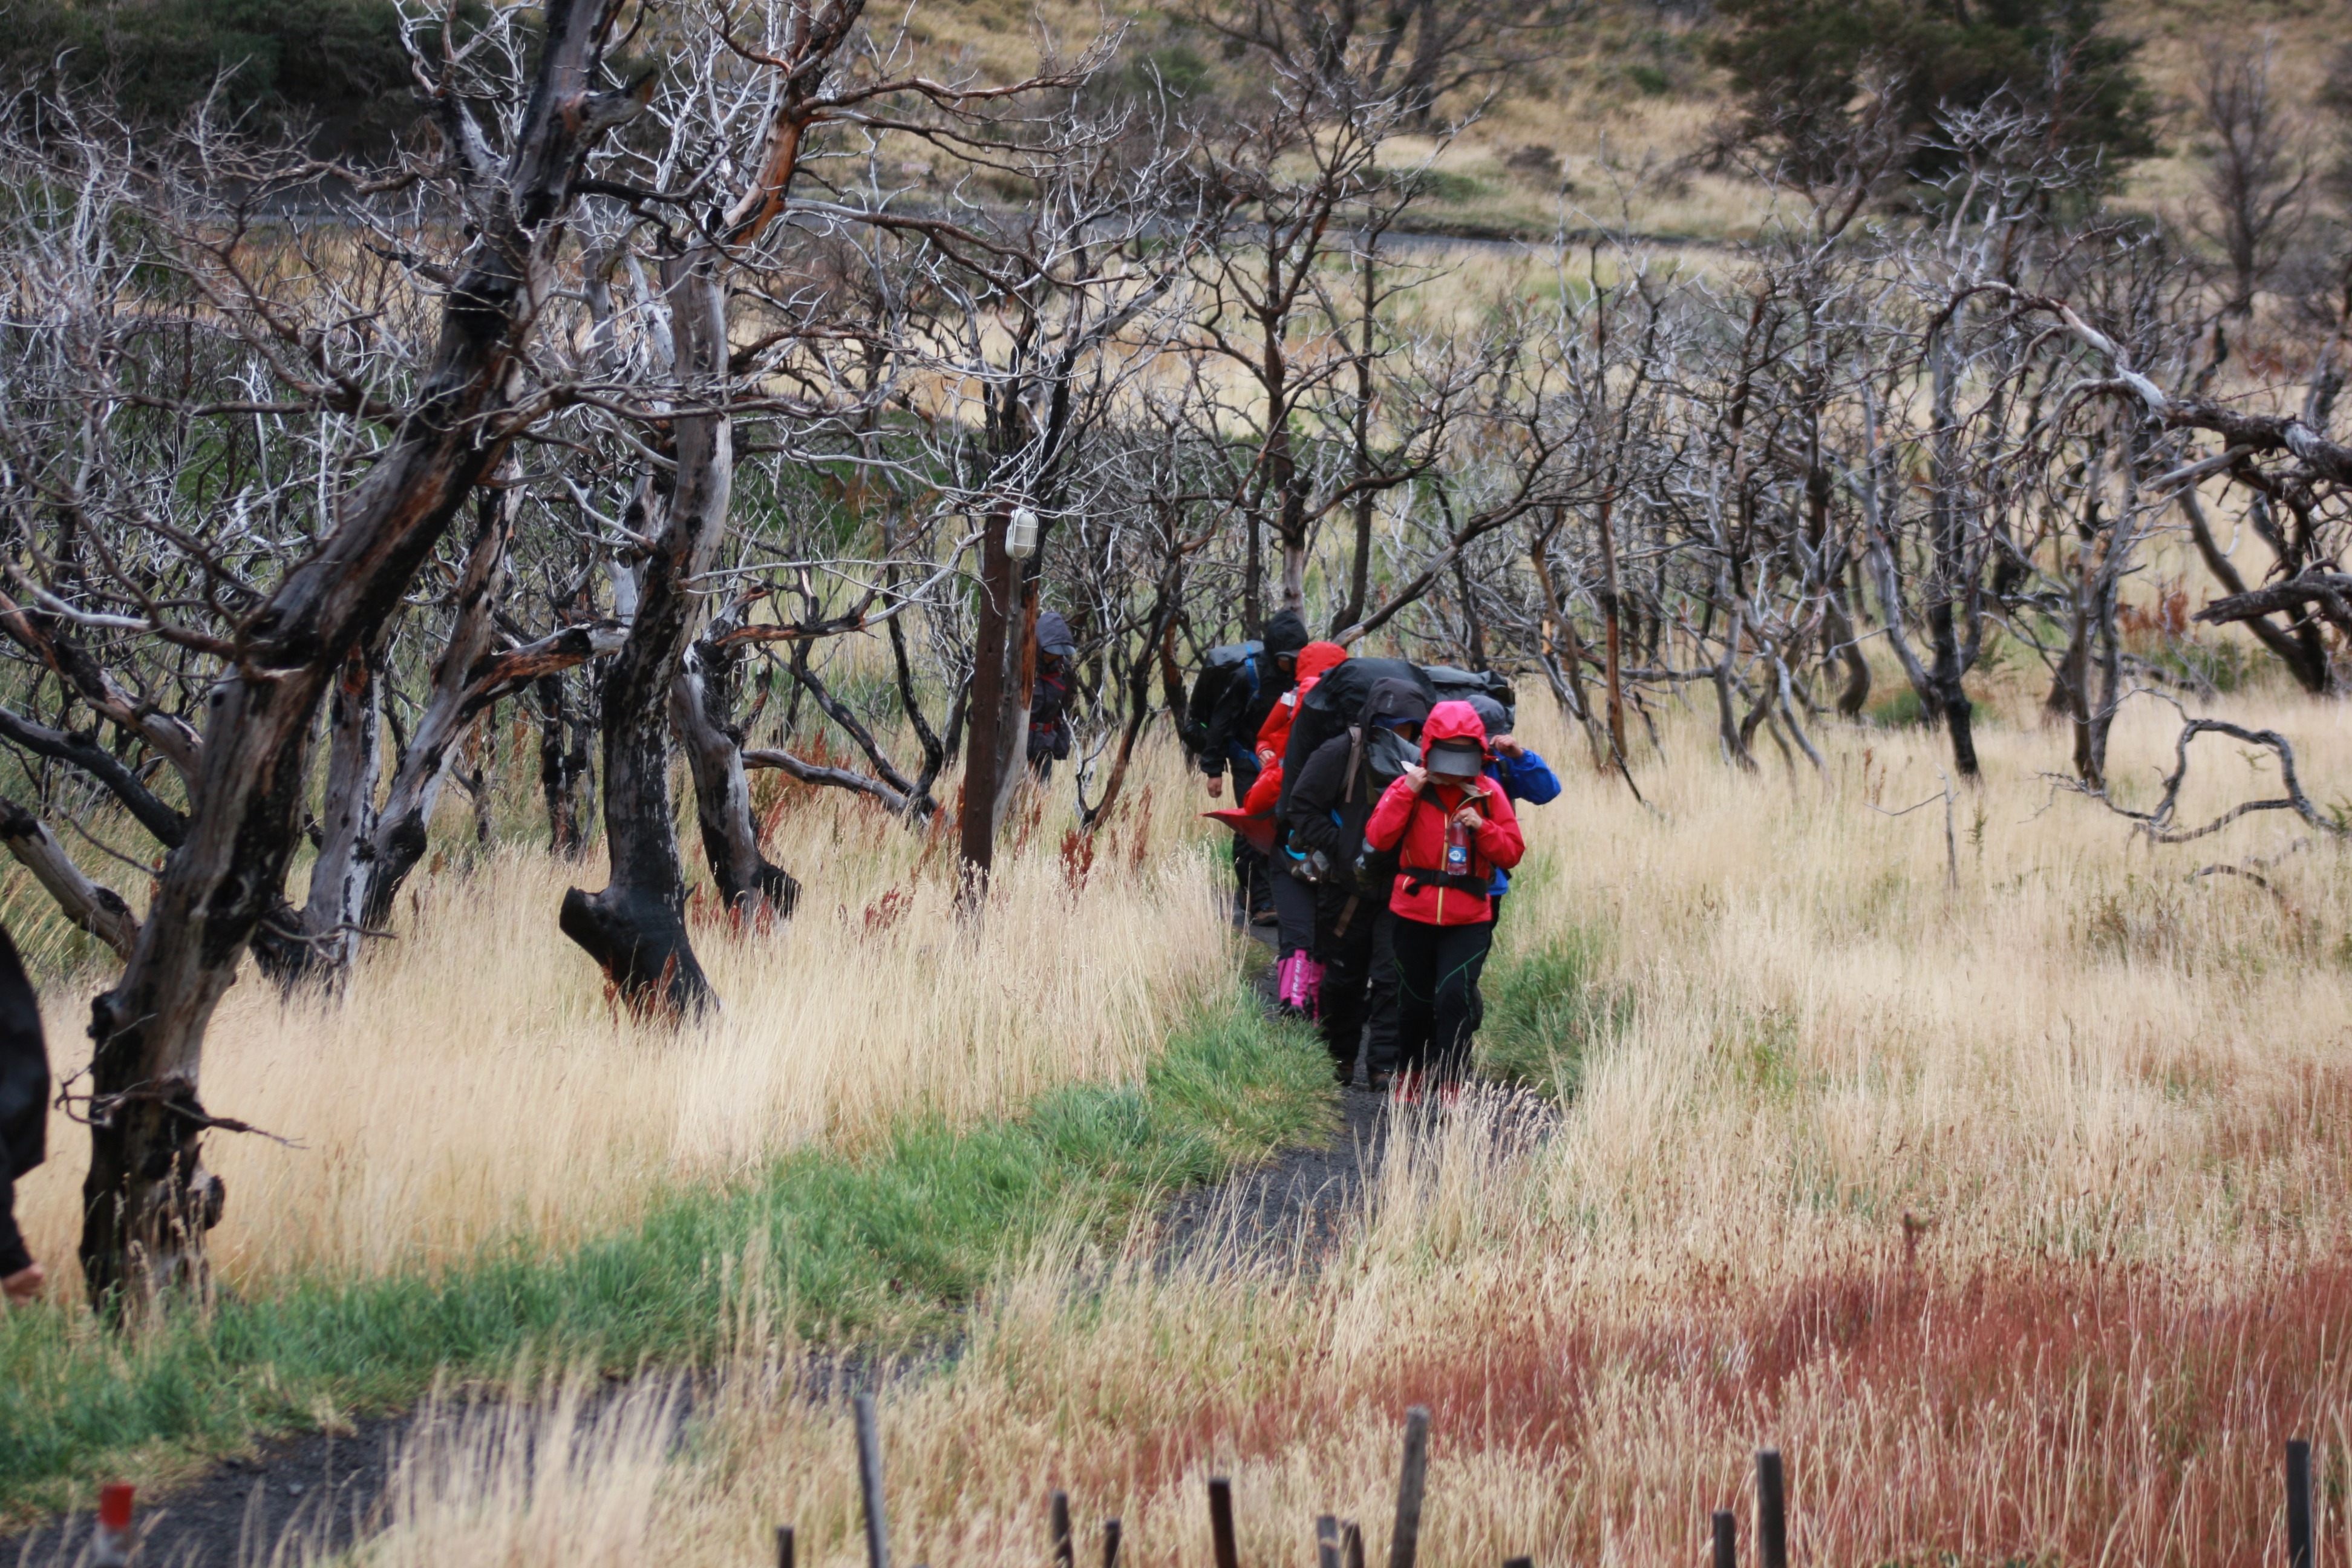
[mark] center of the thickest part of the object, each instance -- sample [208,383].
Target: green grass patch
[881,1249]
[1546,1013]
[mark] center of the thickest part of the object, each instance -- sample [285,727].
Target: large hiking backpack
[1460,685]
[1220,667]
[1332,706]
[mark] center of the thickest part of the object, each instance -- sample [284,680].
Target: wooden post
[1058,1508]
[1111,1542]
[2299,1554]
[1518,1563]
[1727,1539]
[1351,1545]
[1771,1512]
[869,1482]
[1327,1542]
[1221,1521]
[1406,1541]
[783,1546]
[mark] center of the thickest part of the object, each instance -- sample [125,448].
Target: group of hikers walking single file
[1375,829]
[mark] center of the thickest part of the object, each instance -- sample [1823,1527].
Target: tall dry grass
[2014,1212]
[475,1083]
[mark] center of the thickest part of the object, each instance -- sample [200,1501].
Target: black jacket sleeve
[1320,784]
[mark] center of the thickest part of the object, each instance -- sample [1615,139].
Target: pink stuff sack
[1298,983]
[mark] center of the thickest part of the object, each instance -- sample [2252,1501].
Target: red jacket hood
[1318,657]
[1453,721]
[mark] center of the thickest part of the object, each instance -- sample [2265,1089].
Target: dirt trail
[328,1490]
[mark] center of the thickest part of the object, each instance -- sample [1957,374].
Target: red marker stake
[110,1548]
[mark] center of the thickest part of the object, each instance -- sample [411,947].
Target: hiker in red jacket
[1451,830]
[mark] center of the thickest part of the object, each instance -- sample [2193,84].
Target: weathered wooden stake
[1327,1542]
[1727,1539]
[1111,1542]
[1406,1541]
[1351,1545]
[2299,1554]
[1518,1563]
[783,1546]
[869,1482]
[1771,1512]
[1058,1508]
[1221,1521]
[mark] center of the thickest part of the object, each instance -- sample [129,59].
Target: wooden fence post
[1771,1512]
[1111,1542]
[1327,1542]
[1221,1521]
[783,1546]
[869,1482]
[1727,1539]
[1058,1512]
[1406,1542]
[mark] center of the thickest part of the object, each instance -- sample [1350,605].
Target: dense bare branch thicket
[730,385]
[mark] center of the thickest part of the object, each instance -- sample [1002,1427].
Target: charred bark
[147,1199]
[563,770]
[321,942]
[753,886]
[635,928]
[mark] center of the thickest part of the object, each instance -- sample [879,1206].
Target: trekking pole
[1727,1539]
[1771,1512]
[1405,1542]
[1058,1510]
[869,1482]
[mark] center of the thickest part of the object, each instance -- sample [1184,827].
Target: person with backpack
[24,1116]
[1451,830]
[1250,689]
[1298,972]
[1049,696]
[1331,802]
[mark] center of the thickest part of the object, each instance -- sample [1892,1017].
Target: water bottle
[1458,849]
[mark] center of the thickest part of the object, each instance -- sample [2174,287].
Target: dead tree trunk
[983,754]
[1951,574]
[398,841]
[148,1200]
[635,928]
[698,704]
[563,771]
[321,942]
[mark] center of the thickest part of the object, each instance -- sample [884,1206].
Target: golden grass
[475,1083]
[2109,1097]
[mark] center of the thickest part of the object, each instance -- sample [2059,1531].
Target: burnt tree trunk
[320,940]
[563,770]
[699,705]
[148,1200]
[1951,574]
[398,841]
[983,756]
[635,928]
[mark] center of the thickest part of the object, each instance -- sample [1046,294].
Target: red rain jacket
[1274,735]
[1412,823]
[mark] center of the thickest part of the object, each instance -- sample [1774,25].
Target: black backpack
[1220,667]
[1461,684]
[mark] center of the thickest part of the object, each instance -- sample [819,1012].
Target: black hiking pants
[1359,964]
[1437,970]
[1294,908]
[1252,884]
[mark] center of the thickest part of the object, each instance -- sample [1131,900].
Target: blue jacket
[1526,777]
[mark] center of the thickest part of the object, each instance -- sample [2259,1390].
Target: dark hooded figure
[1233,730]
[1330,805]
[1049,698]
[24,1115]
